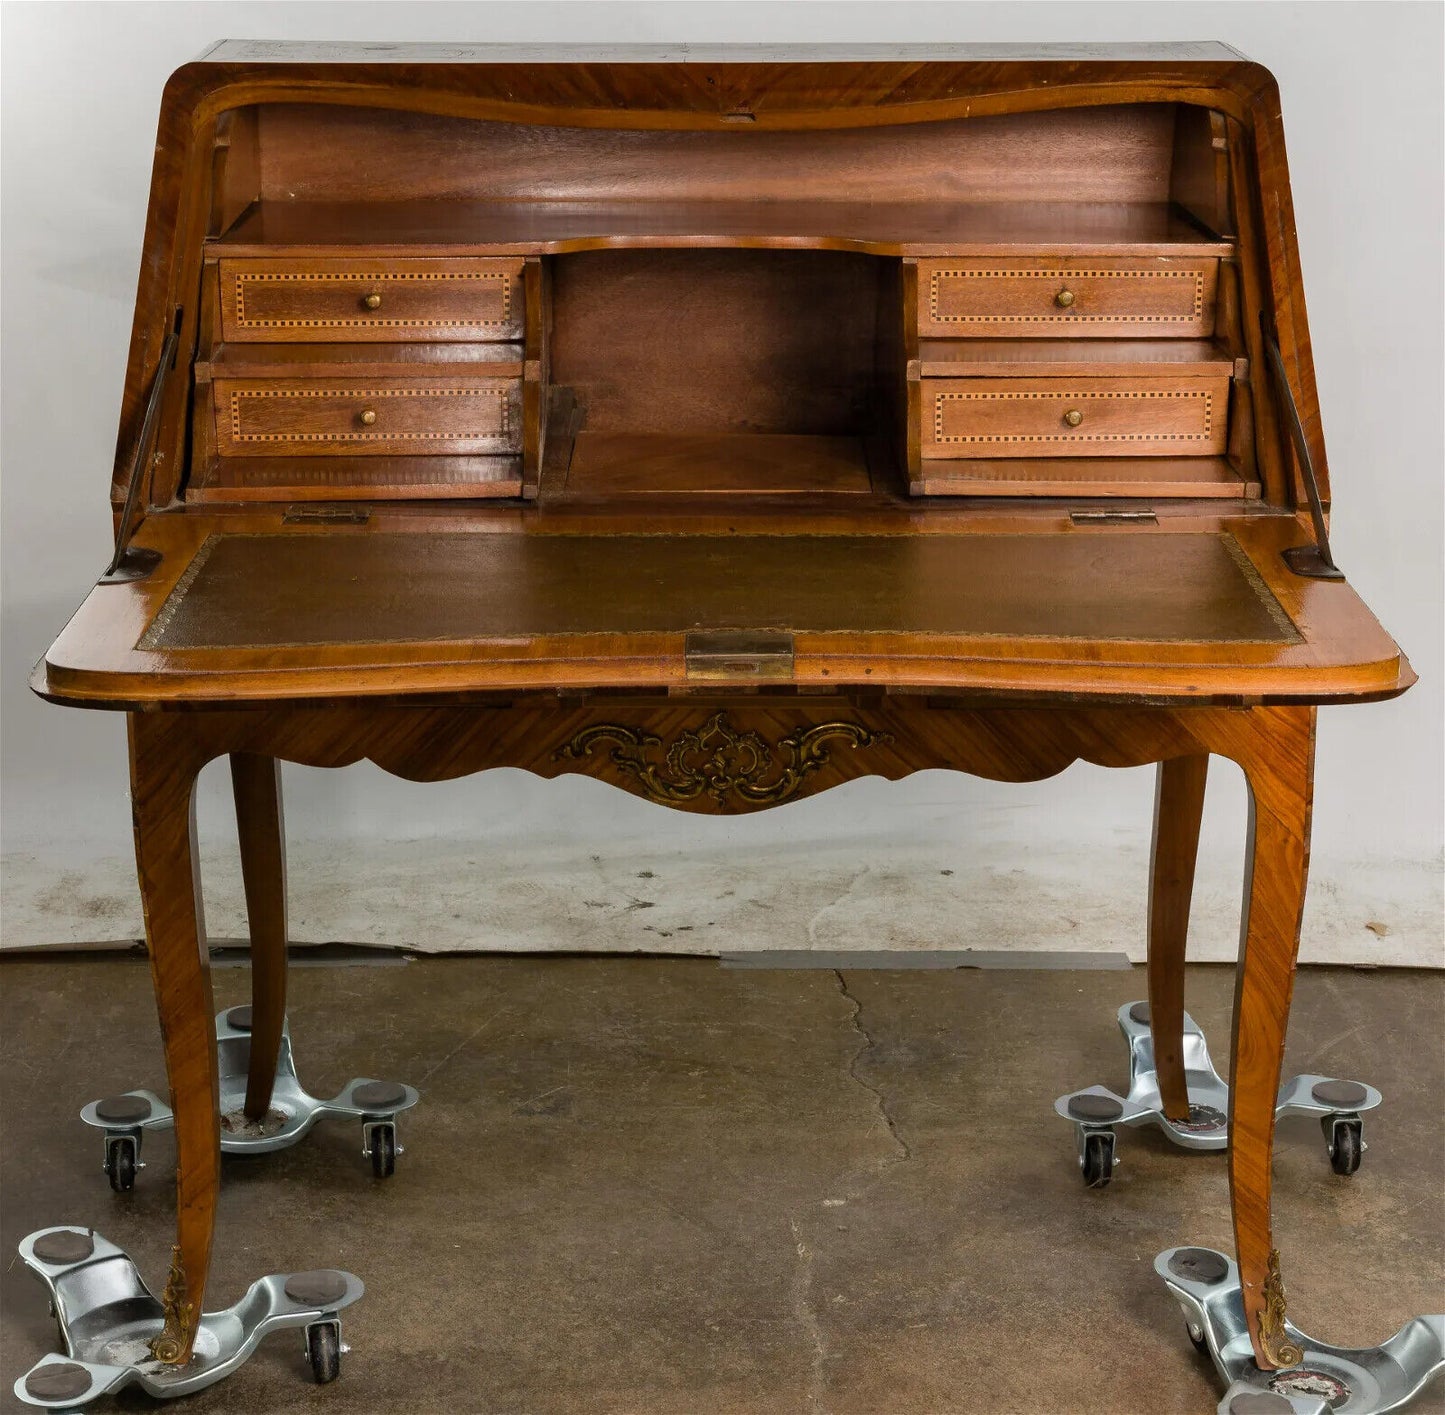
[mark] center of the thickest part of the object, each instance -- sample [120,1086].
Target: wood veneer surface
[711,341]
[606,464]
[1114,153]
[272,590]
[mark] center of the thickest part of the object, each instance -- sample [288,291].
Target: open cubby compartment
[710,371]
[730,309]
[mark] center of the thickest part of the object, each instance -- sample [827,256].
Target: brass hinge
[738,655]
[325,516]
[1113,518]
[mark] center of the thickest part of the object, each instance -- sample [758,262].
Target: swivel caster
[1343,1137]
[125,1118]
[323,1351]
[1337,1103]
[121,1161]
[378,1142]
[1098,1160]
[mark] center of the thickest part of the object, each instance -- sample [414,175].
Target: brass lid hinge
[1107,517]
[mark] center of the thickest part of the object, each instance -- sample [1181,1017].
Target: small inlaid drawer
[1037,298]
[1064,417]
[351,301]
[364,417]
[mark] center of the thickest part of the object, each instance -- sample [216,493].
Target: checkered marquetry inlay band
[1204,402]
[937,315]
[366,281]
[499,429]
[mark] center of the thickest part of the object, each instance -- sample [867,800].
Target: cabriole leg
[256,784]
[163,770]
[1280,774]
[1178,808]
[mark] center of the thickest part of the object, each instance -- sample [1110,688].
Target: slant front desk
[726,426]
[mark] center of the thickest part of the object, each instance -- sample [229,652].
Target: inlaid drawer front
[281,301]
[1066,299]
[435,416]
[1061,417]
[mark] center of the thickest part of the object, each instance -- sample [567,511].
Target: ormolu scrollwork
[181,1318]
[719,761]
[1277,1347]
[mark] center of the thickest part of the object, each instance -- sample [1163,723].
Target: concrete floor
[662,1187]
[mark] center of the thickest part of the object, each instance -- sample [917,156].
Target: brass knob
[372,302]
[1064,298]
[1073,417]
[368,416]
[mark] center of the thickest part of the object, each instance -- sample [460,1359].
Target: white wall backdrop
[935,862]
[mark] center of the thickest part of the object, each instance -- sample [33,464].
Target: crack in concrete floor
[905,1151]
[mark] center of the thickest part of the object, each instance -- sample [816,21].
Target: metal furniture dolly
[1316,1378]
[1097,1112]
[113,1327]
[290,1112]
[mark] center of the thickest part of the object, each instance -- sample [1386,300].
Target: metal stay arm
[1313,561]
[127,564]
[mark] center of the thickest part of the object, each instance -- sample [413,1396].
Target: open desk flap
[256,610]
[275,591]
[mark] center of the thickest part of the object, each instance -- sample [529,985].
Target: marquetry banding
[937,316]
[502,427]
[371,321]
[1207,399]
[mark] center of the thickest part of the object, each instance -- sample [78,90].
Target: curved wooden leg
[163,769]
[1280,773]
[1178,808]
[256,785]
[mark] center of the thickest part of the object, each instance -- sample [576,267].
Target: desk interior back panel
[1108,154]
[717,341]
[274,590]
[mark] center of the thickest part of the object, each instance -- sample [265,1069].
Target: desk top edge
[259,51]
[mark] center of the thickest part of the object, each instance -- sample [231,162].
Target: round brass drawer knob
[368,416]
[372,302]
[1064,299]
[1073,417]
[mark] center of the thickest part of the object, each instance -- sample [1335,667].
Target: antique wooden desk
[726,427]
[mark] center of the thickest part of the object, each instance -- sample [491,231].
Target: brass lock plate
[738,656]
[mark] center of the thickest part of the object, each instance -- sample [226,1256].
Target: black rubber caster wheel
[1200,1343]
[1098,1164]
[120,1165]
[383,1151]
[323,1351]
[1346,1146]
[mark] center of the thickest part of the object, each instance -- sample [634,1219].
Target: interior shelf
[238,479]
[1099,358]
[1146,477]
[518,227]
[345,360]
